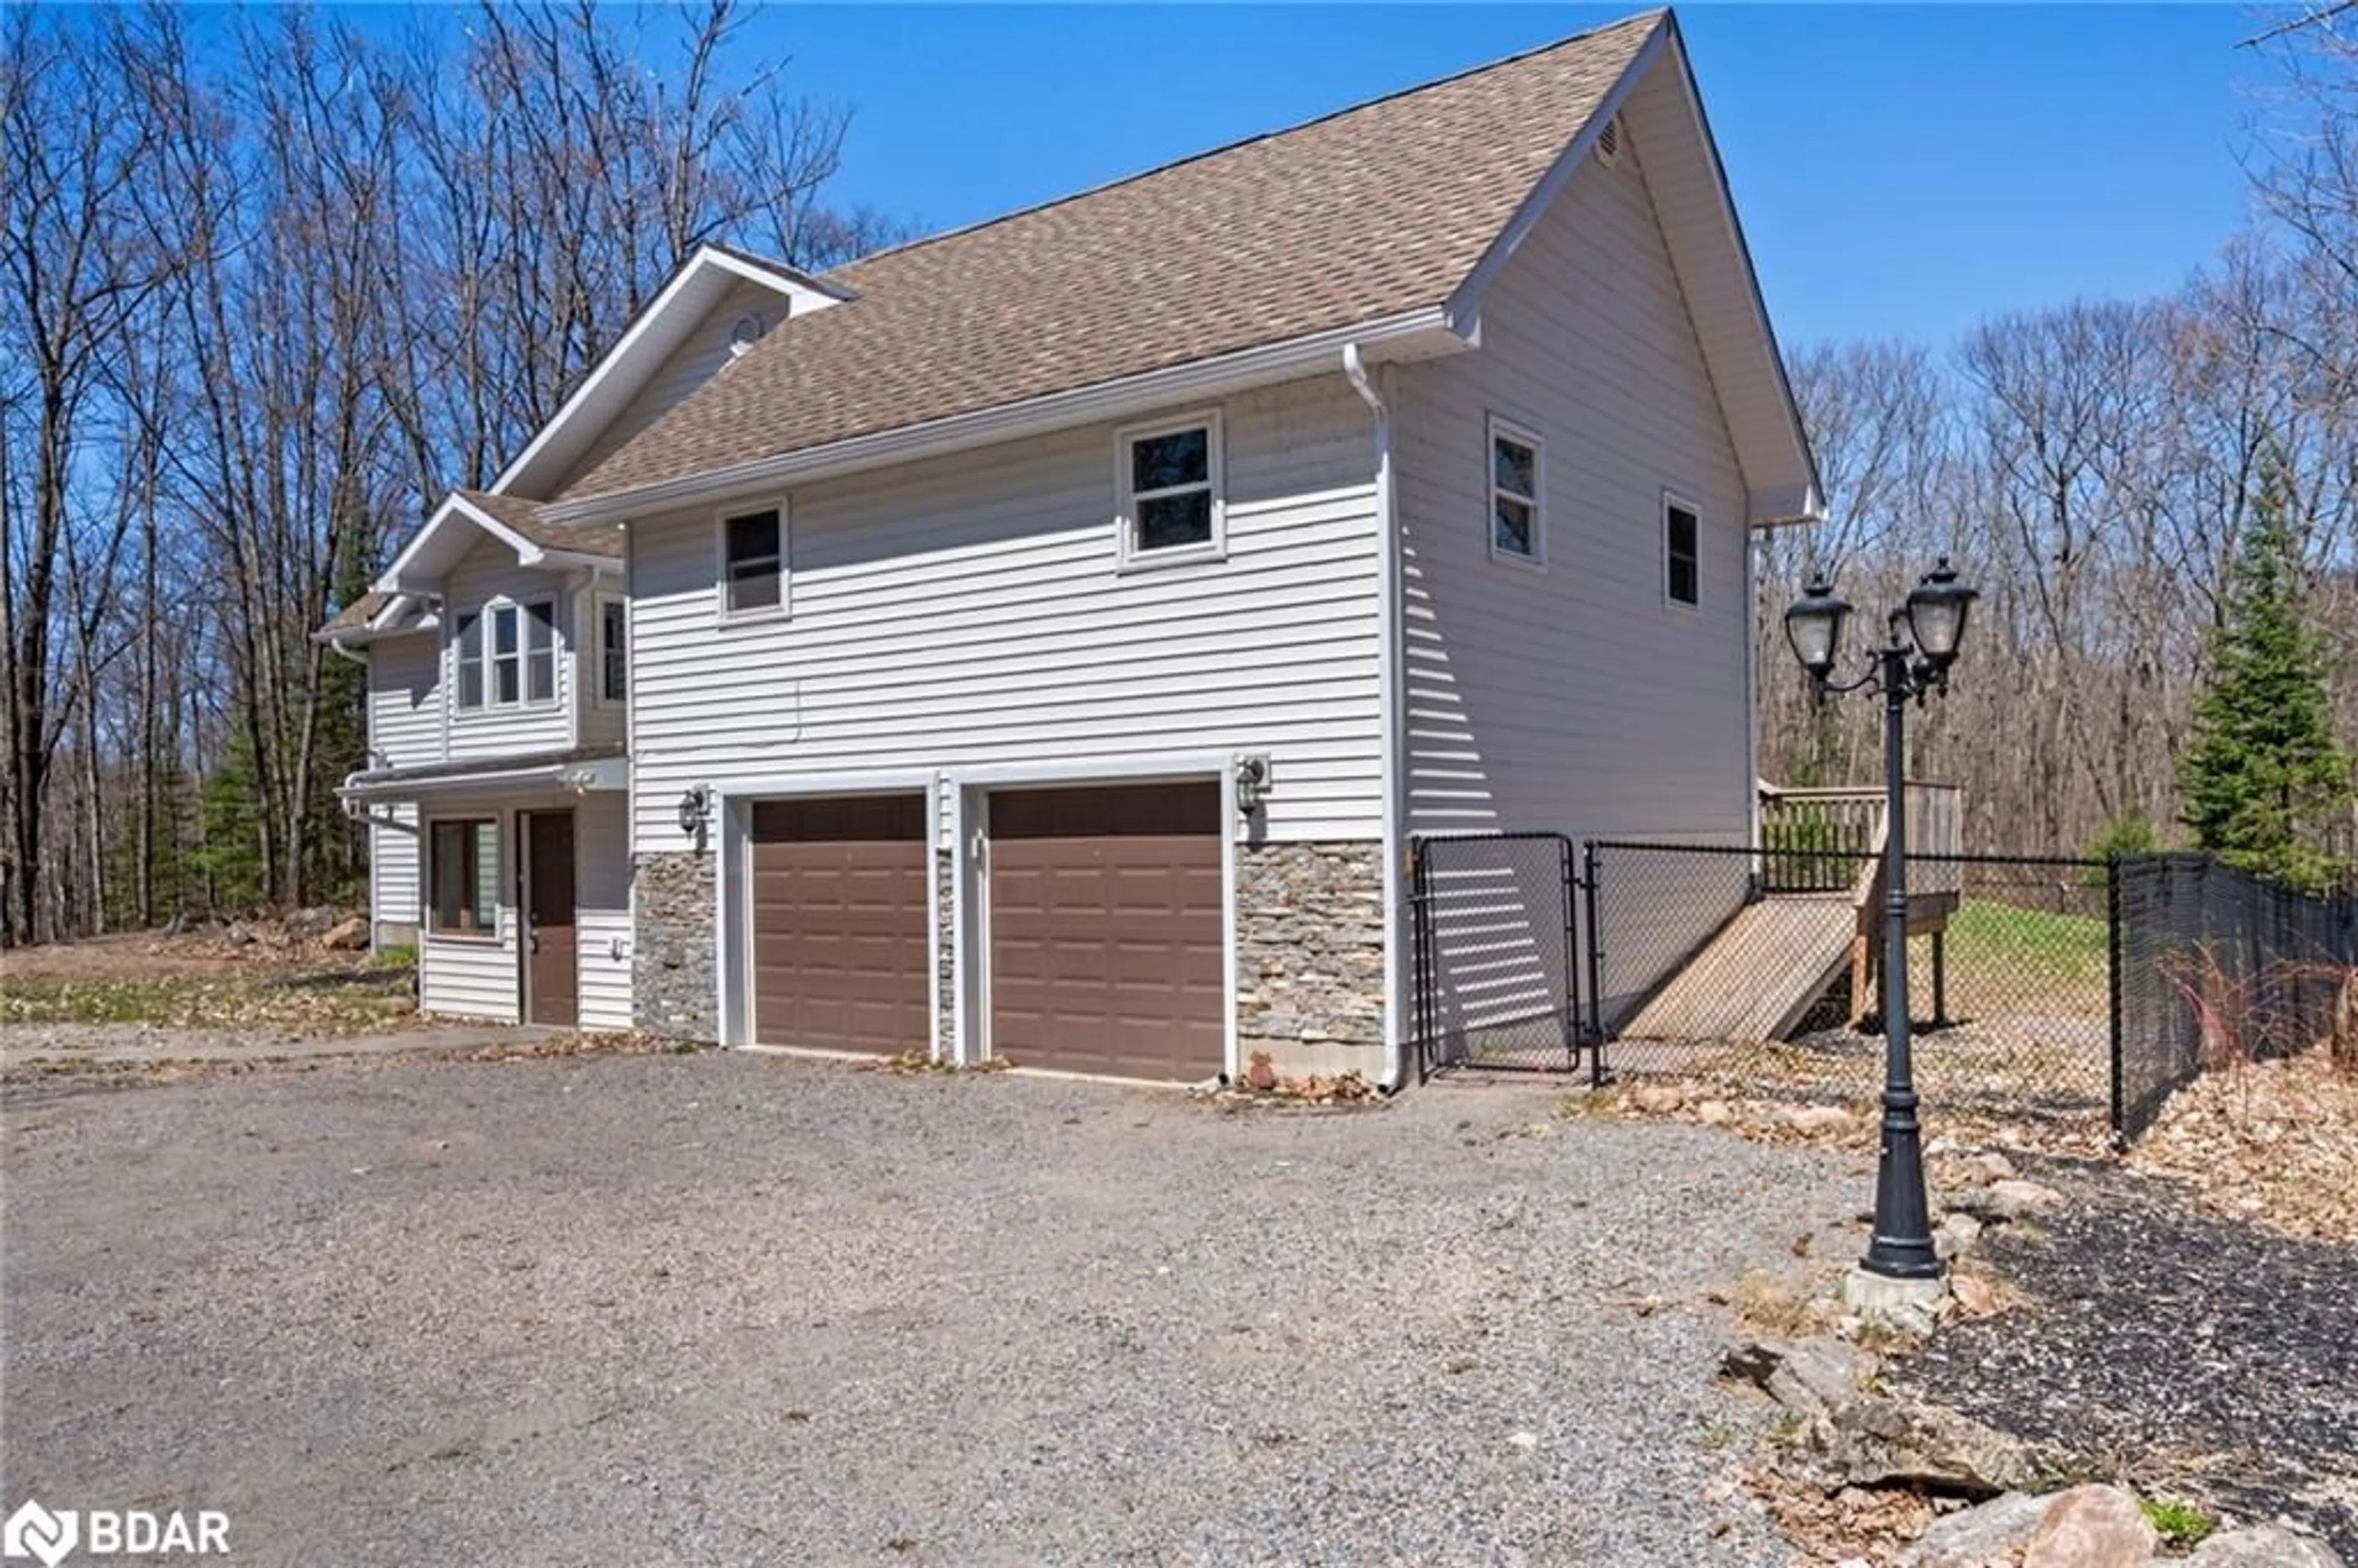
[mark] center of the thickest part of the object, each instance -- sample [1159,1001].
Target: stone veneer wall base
[672,957]
[1310,956]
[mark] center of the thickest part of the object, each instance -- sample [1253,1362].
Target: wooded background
[273,286]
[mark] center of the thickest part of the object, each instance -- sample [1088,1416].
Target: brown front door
[551,964]
[1105,930]
[841,946]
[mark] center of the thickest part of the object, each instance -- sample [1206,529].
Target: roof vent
[746,333]
[1609,143]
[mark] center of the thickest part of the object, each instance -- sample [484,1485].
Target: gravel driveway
[731,1309]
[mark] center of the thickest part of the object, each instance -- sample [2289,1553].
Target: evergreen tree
[2263,773]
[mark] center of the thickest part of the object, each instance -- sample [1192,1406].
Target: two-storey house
[1044,640]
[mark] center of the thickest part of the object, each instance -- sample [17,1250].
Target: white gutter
[1222,374]
[1389,699]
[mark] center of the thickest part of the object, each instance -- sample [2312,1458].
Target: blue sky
[1901,171]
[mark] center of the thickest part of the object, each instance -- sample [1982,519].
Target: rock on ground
[1988,1533]
[2265,1546]
[1872,1441]
[2092,1527]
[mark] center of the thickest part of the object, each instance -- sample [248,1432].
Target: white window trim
[1662,522]
[1127,555]
[524,701]
[721,613]
[1493,427]
[429,888]
[597,640]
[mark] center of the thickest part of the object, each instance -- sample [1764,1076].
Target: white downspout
[1387,683]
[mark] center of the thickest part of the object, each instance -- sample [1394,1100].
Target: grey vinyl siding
[968,612]
[1576,698]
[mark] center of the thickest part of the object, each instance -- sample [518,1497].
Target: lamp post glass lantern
[1920,643]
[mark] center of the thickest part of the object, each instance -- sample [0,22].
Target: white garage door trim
[733,883]
[970,923]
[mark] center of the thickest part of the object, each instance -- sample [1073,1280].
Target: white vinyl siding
[1577,699]
[970,610]
[405,729]
[404,704]
[393,868]
[490,572]
[601,885]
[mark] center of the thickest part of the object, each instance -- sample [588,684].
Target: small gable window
[752,563]
[1682,552]
[1170,491]
[1517,523]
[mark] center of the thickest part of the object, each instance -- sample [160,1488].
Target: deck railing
[1826,841]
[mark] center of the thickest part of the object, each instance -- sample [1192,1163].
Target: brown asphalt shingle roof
[1369,213]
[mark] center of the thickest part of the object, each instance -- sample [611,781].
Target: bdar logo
[34,1531]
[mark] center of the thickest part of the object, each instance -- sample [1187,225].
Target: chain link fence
[1760,972]
[2074,992]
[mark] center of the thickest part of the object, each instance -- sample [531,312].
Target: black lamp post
[1919,643]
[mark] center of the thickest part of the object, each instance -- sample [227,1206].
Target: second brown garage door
[1105,930]
[841,949]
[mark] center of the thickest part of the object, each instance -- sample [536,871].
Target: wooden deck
[1761,975]
[1758,975]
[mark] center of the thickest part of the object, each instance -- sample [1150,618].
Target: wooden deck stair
[1758,975]
[1821,894]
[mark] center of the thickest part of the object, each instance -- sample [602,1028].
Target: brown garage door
[1105,930]
[840,952]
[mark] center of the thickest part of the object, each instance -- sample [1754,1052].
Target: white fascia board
[1465,301]
[404,576]
[1807,459]
[633,346]
[1423,330]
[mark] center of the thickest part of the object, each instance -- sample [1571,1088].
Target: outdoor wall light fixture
[694,806]
[1252,783]
[1920,642]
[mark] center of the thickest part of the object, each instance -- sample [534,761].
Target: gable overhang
[1658,105]
[401,616]
[1419,334]
[453,530]
[699,285]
